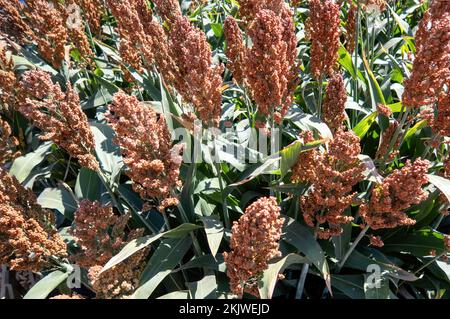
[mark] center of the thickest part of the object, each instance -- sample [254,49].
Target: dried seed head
[269,67]
[334,103]
[441,124]
[136,27]
[8,143]
[188,66]
[323,29]
[58,115]
[235,50]
[168,10]
[350,28]
[254,242]
[431,67]
[93,11]
[11,22]
[332,176]
[49,30]
[93,223]
[398,191]
[146,148]
[27,236]
[386,140]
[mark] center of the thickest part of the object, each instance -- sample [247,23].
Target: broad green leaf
[46,285]
[22,166]
[255,171]
[378,289]
[270,276]
[137,244]
[374,88]
[100,98]
[350,285]
[360,261]
[205,288]
[60,199]
[419,244]
[443,184]
[217,29]
[402,24]
[289,154]
[345,60]
[307,122]
[419,125]
[88,185]
[168,254]
[440,269]
[396,107]
[107,152]
[206,261]
[341,242]
[214,232]
[364,125]
[303,239]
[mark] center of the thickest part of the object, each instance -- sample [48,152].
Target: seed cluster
[145,142]
[27,235]
[399,190]
[59,115]
[332,175]
[254,242]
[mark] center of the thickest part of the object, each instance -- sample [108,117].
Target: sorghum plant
[225,149]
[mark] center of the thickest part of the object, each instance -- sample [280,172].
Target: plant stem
[114,200]
[352,248]
[319,98]
[305,269]
[403,117]
[226,216]
[301,282]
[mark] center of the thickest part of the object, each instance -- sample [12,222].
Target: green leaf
[341,242]
[345,60]
[303,239]
[364,125]
[402,24]
[217,29]
[206,261]
[107,152]
[350,285]
[168,254]
[270,275]
[375,90]
[137,244]
[60,199]
[289,154]
[100,98]
[88,185]
[418,244]
[443,184]
[22,166]
[214,232]
[360,261]
[205,288]
[377,290]
[419,125]
[46,285]
[255,171]
[307,122]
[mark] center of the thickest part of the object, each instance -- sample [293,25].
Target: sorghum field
[224,149]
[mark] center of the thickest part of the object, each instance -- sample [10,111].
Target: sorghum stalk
[352,247]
